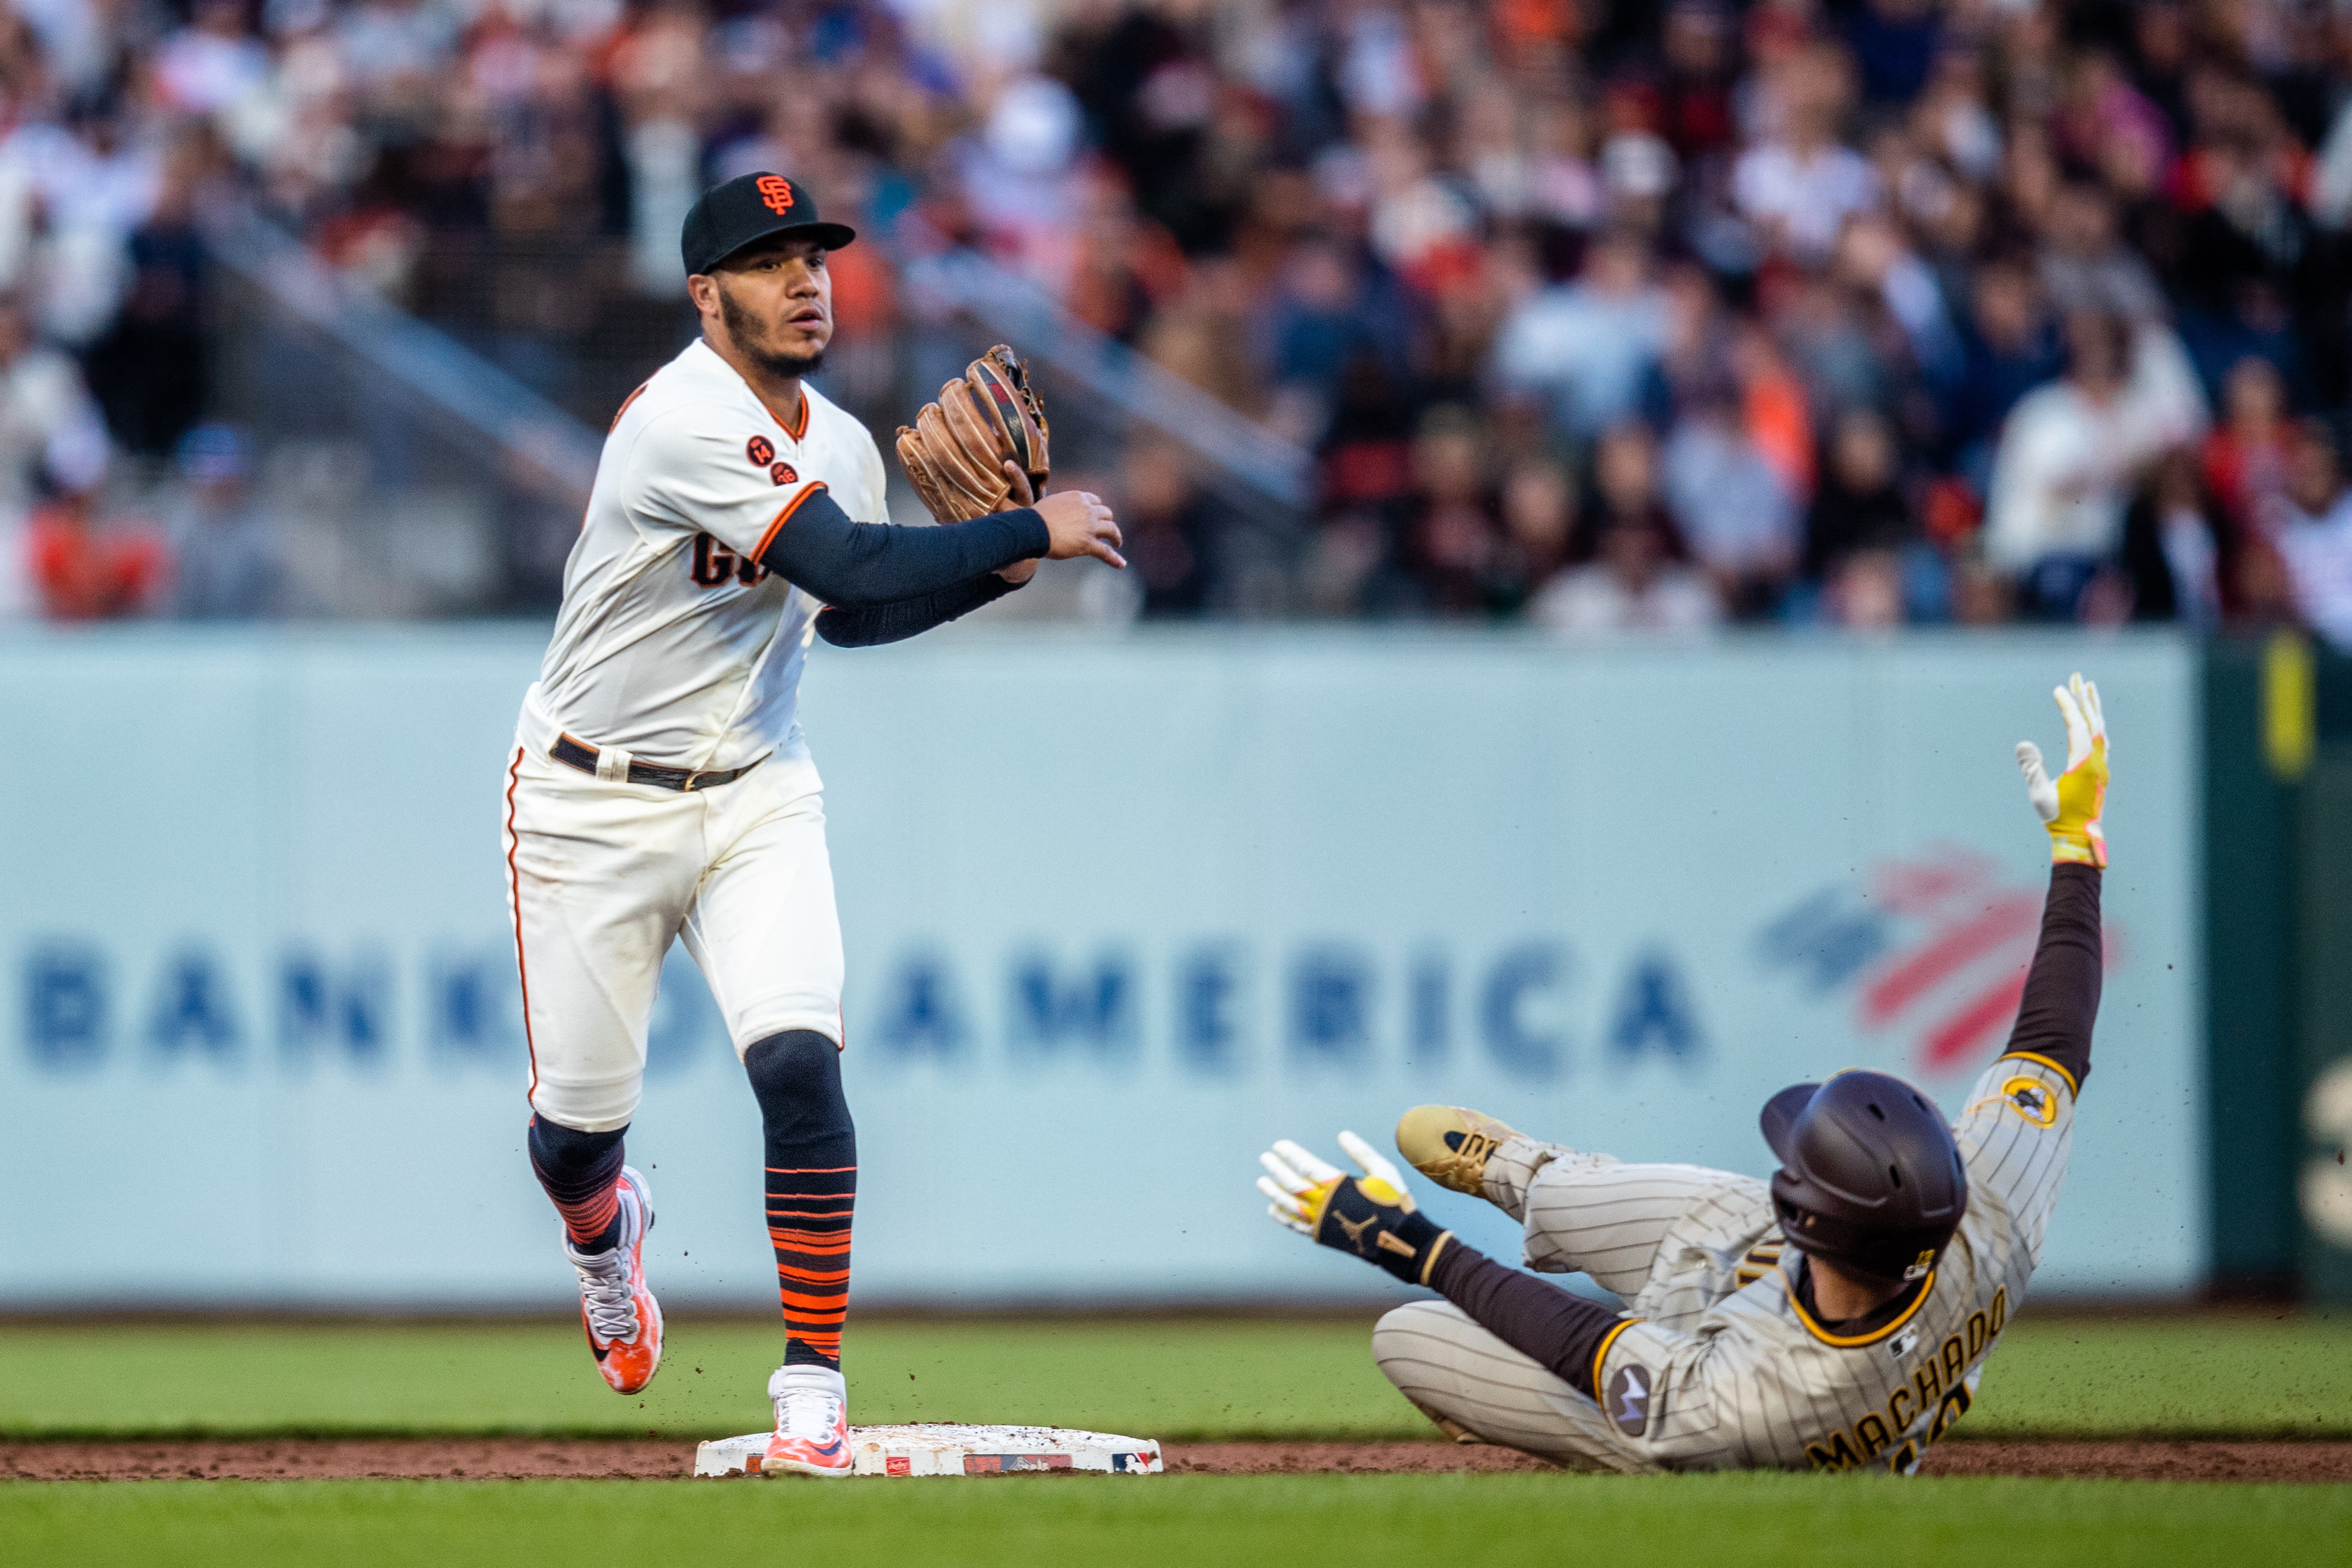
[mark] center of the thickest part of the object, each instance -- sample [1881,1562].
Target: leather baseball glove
[957,449]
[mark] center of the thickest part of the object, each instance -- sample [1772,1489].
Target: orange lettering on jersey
[760,451]
[776,193]
[784,474]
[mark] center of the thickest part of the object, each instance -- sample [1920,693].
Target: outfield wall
[1118,912]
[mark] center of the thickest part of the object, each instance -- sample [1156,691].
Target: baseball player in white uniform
[1836,1317]
[660,785]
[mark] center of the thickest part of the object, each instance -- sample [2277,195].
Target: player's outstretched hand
[1080,523]
[2070,806]
[1371,1216]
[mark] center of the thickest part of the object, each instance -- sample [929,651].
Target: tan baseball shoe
[1449,1144]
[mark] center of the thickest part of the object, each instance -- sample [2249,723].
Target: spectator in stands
[1799,185]
[1731,505]
[2071,453]
[87,574]
[2313,534]
[1444,528]
[52,443]
[1333,218]
[1632,581]
[2084,264]
[2245,455]
[148,369]
[224,550]
[2013,346]
[2172,547]
[1539,526]
[1860,505]
[1171,533]
[1590,349]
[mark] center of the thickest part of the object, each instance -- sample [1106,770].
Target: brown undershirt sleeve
[2062,989]
[1538,1320]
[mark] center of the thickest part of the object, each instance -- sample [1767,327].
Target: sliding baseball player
[1835,1317]
[659,786]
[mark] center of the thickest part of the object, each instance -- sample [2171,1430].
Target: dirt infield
[517,1459]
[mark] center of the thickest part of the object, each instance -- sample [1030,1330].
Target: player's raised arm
[2062,990]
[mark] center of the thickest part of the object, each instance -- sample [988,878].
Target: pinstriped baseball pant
[1668,1239]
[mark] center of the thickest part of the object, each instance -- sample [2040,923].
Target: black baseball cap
[751,207]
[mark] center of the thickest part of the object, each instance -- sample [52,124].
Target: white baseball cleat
[617,1307]
[811,1436]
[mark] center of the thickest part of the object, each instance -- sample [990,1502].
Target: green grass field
[2241,1375]
[1184,1521]
[2185,1376]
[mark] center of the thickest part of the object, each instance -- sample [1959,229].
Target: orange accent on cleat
[614,1297]
[811,1436]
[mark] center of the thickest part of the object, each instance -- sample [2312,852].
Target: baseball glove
[956,451]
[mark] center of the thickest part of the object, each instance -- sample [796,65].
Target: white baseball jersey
[1719,1365]
[674,643]
[675,646]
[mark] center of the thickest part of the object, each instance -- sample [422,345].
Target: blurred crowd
[1598,313]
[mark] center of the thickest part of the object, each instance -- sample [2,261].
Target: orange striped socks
[580,1173]
[808,1224]
[812,1187]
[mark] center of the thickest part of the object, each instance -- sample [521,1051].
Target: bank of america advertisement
[1118,912]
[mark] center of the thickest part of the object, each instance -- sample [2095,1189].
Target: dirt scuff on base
[526,1459]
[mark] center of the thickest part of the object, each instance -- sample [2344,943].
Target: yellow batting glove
[2070,805]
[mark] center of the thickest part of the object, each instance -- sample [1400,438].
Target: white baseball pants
[1669,1239]
[603,876]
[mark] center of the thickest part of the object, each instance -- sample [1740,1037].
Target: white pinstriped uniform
[1715,1365]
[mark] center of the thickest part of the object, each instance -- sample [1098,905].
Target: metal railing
[423,422]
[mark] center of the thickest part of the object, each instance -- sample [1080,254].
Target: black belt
[581,755]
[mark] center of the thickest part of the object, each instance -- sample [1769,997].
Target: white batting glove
[2070,806]
[1371,1216]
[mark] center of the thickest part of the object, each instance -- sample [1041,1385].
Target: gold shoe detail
[1450,1143]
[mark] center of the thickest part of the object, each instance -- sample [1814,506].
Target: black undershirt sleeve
[903,618]
[1541,1321]
[2062,989]
[852,565]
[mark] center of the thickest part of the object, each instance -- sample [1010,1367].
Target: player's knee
[560,1150]
[796,1076]
[1401,1339]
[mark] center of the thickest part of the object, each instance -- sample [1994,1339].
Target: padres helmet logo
[776,191]
[760,451]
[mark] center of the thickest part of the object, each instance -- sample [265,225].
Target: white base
[940,1449]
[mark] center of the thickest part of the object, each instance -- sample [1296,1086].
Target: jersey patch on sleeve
[2032,1100]
[1628,1403]
[760,451]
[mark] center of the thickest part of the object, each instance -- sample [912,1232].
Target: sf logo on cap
[776,191]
